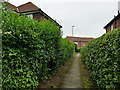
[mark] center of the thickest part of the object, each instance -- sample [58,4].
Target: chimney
[119,6]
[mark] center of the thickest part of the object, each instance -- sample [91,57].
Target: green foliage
[0,45]
[0,59]
[76,49]
[102,57]
[31,50]
[65,50]
[0,14]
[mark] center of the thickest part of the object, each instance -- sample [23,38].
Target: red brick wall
[117,25]
[118,22]
[108,29]
[38,16]
[80,44]
[113,25]
[80,40]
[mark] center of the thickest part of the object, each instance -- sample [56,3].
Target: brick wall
[38,16]
[108,28]
[80,40]
[118,22]
[80,44]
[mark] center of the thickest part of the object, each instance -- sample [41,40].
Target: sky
[88,16]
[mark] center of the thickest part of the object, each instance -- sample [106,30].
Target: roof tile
[11,6]
[80,38]
[27,7]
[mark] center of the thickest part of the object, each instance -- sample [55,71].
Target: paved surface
[73,79]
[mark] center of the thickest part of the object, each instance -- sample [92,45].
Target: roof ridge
[23,4]
[112,20]
[10,4]
[80,37]
[28,3]
[35,5]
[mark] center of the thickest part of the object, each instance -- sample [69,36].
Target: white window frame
[29,15]
[111,27]
[76,43]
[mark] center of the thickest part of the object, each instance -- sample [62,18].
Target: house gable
[114,23]
[13,7]
[80,41]
[30,8]
[27,7]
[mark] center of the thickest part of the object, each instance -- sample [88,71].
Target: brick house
[114,23]
[80,41]
[31,10]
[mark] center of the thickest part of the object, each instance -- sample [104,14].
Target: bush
[76,48]
[102,57]
[65,50]
[31,50]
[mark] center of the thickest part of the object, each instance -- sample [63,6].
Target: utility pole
[72,32]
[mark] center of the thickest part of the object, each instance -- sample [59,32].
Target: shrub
[102,57]
[76,48]
[65,50]
[31,50]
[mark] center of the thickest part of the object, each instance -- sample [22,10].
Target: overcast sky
[88,16]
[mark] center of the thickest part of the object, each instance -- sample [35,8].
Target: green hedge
[102,57]
[76,48]
[31,50]
[0,60]
[65,50]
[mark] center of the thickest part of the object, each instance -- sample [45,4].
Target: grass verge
[57,79]
[85,76]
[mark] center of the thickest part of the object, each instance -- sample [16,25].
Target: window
[30,15]
[83,43]
[76,43]
[115,25]
[111,27]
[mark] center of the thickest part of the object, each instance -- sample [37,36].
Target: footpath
[73,79]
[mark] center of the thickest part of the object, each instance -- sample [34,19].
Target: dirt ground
[57,79]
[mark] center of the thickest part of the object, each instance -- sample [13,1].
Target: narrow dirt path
[73,79]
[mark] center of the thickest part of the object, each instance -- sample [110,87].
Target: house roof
[79,39]
[115,18]
[11,6]
[29,7]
